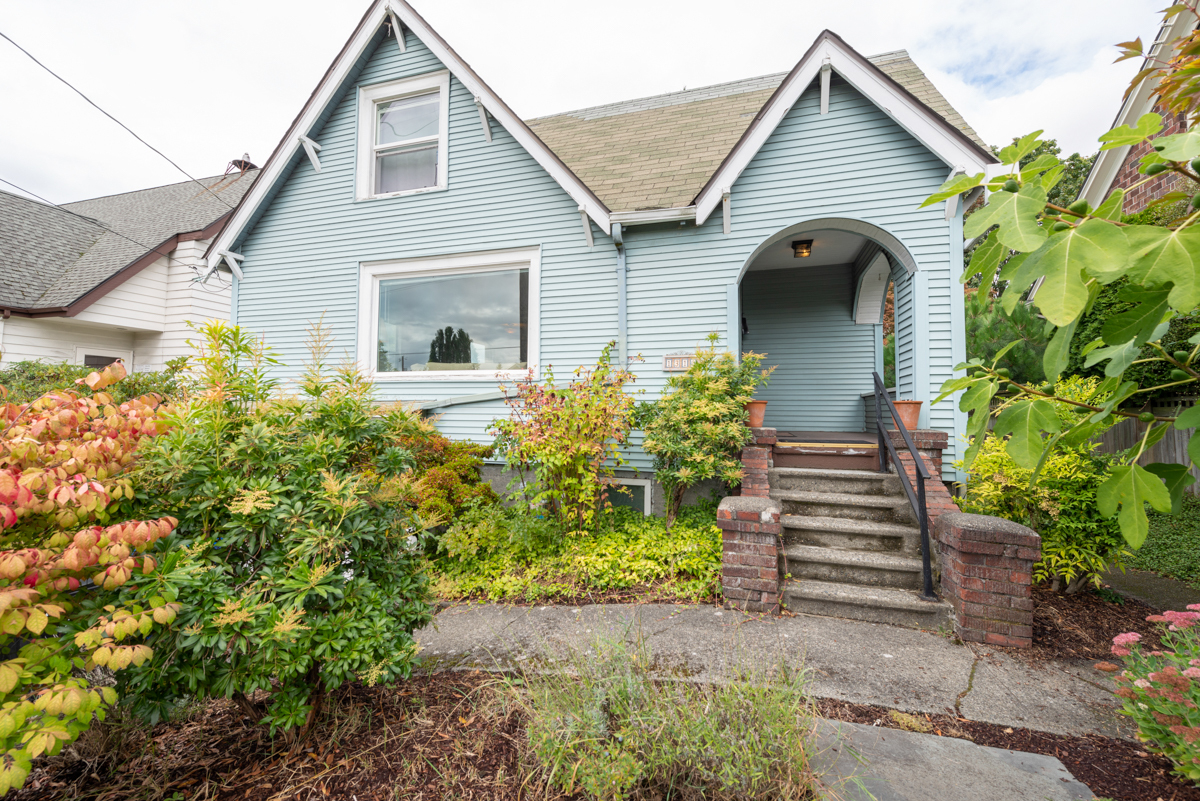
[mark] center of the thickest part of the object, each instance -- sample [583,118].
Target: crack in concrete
[970,686]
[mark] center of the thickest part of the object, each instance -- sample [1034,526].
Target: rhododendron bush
[295,550]
[1162,688]
[74,586]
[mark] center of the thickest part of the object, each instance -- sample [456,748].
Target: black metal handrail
[917,497]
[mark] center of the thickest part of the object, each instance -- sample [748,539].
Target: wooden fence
[1171,449]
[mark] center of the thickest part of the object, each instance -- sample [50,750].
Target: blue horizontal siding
[302,255]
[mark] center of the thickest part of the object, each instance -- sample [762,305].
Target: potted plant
[910,413]
[757,410]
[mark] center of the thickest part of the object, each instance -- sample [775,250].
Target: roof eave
[650,216]
[355,46]
[926,125]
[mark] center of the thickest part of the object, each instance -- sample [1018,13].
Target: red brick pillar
[756,464]
[986,576]
[930,445]
[750,552]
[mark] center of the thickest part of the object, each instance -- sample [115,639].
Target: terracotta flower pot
[758,410]
[910,413]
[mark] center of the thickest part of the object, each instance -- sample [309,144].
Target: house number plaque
[678,362]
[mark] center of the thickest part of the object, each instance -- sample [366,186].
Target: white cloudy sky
[206,81]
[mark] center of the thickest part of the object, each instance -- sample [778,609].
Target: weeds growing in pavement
[607,728]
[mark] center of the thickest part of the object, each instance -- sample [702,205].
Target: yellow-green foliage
[500,553]
[1077,543]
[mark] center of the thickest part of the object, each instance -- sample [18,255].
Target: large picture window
[458,316]
[470,321]
[402,132]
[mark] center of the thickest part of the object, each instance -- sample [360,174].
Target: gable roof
[725,147]
[54,261]
[658,152]
[1140,101]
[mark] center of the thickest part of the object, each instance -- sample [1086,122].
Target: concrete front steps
[852,547]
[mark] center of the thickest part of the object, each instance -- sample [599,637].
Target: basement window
[402,136]
[631,492]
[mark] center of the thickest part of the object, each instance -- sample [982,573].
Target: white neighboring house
[72,290]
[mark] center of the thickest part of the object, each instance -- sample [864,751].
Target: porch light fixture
[802,248]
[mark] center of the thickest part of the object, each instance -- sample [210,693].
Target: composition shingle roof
[658,152]
[49,258]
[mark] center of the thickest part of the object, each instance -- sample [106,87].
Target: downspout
[622,317]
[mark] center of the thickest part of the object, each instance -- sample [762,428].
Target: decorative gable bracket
[484,120]
[311,148]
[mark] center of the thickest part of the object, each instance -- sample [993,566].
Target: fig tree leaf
[1179,147]
[1119,356]
[1188,418]
[978,397]
[1041,163]
[1018,219]
[955,185]
[1020,148]
[1131,487]
[1161,255]
[952,385]
[1138,323]
[984,260]
[1176,478]
[1023,424]
[1058,351]
[1000,353]
[1113,206]
[1147,125]
[1095,247]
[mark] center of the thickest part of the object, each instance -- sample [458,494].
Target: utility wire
[114,119]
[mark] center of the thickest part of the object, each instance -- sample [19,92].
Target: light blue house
[449,244]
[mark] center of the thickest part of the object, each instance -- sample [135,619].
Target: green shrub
[607,728]
[27,381]
[1077,542]
[294,562]
[508,554]
[445,478]
[696,430]
[569,437]
[1173,546]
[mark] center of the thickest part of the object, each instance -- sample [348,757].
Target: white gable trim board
[407,19]
[908,112]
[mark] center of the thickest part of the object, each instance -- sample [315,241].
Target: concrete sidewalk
[867,663]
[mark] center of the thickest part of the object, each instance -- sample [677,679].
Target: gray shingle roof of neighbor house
[658,152]
[50,260]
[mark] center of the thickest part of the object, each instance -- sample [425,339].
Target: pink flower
[1194,607]
[1156,619]
[1141,683]
[1128,638]
[1156,653]
[1192,673]
[1182,620]
[1119,651]
[1194,662]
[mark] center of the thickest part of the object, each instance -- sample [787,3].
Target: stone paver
[849,660]
[861,763]
[1150,588]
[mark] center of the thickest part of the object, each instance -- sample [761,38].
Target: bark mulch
[1111,768]
[1081,626]
[433,737]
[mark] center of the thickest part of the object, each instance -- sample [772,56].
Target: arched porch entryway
[819,319]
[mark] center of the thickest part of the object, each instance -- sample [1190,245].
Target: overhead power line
[114,119]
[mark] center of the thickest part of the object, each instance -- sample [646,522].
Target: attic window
[402,136]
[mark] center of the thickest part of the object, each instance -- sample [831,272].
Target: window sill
[423,190]
[449,375]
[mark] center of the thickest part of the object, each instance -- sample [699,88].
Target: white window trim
[117,353]
[371,273]
[368,98]
[647,498]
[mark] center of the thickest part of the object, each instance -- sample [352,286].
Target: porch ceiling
[829,247]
